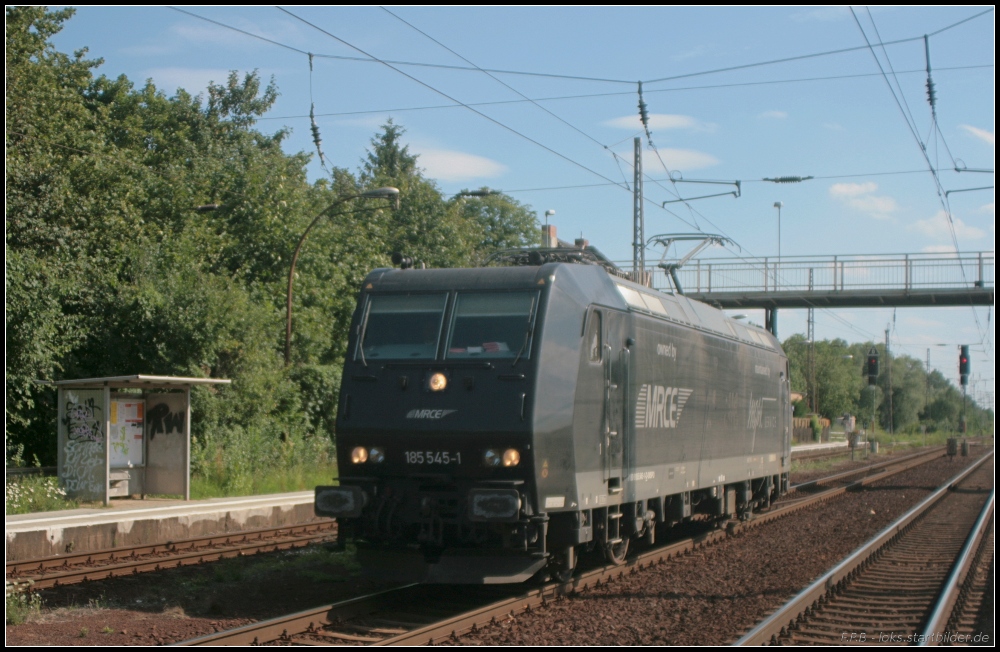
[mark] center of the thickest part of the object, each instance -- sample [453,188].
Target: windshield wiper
[527,334]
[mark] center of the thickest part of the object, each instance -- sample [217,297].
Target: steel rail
[451,628]
[961,573]
[937,451]
[136,559]
[304,621]
[289,629]
[771,627]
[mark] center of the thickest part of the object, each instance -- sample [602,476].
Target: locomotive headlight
[491,458]
[359,455]
[376,455]
[511,457]
[437,382]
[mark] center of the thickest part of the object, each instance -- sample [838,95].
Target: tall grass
[296,478]
[244,462]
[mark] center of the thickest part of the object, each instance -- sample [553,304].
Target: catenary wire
[556,98]
[443,94]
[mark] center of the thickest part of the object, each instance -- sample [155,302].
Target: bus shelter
[126,435]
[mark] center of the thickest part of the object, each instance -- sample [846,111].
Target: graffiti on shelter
[82,422]
[159,419]
[83,471]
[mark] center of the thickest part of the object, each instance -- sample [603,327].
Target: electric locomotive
[495,422]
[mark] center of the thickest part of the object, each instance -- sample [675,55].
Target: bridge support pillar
[771,320]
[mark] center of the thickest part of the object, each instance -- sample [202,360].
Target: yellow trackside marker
[369,286]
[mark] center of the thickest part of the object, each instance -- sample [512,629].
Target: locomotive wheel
[615,552]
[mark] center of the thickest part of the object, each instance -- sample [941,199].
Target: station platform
[128,522]
[833,445]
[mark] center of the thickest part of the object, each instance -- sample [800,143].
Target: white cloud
[852,189]
[277,30]
[861,197]
[981,134]
[660,121]
[177,37]
[988,209]
[877,207]
[937,227]
[193,80]
[150,50]
[833,125]
[371,122]
[674,159]
[775,115]
[938,249]
[449,165]
[823,14]
[697,51]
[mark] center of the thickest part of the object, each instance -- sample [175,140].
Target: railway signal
[872,366]
[963,364]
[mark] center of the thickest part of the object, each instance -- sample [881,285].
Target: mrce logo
[428,414]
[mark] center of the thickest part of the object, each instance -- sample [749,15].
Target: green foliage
[112,269]
[34,493]
[918,399]
[21,607]
[816,427]
[319,387]
[301,476]
[30,493]
[499,222]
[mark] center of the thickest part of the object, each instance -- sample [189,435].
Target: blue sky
[832,117]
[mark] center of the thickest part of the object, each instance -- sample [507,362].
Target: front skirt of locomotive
[475,533]
[452,567]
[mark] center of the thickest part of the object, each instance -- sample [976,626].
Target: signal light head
[963,364]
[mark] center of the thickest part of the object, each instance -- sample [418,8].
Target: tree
[110,271]
[49,135]
[425,227]
[500,222]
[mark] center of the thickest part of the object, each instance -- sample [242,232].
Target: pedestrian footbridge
[904,280]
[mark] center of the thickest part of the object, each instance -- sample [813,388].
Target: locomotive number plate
[432,457]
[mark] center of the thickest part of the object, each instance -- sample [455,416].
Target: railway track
[63,570]
[893,590]
[815,455]
[401,616]
[880,468]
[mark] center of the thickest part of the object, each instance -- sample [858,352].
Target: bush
[20,607]
[817,428]
[35,494]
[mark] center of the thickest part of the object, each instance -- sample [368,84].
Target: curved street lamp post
[378,193]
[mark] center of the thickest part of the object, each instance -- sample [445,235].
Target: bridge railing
[832,273]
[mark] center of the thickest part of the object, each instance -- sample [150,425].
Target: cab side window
[593,341]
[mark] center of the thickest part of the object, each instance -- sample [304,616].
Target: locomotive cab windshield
[490,325]
[482,325]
